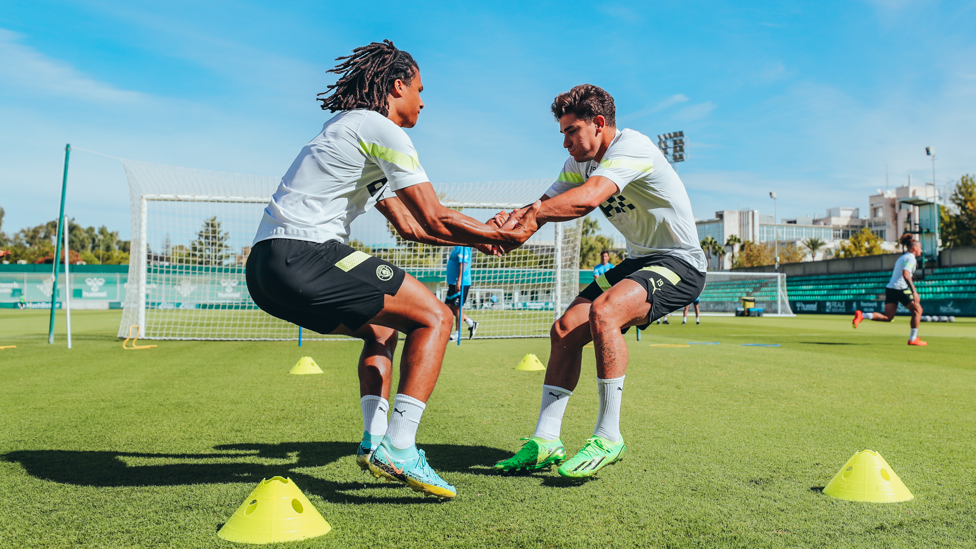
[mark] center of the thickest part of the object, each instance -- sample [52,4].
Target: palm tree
[813,244]
[719,250]
[707,245]
[731,241]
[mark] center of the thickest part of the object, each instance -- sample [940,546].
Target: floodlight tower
[673,146]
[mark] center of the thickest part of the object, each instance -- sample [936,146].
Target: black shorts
[899,296]
[319,286]
[456,299]
[671,283]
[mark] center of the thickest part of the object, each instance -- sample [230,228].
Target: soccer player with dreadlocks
[301,268]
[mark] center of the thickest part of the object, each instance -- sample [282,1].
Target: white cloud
[692,113]
[675,99]
[29,71]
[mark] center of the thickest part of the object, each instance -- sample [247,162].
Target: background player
[901,289]
[603,266]
[624,174]
[458,284]
[302,270]
[697,304]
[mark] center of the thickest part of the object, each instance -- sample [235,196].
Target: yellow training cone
[275,511]
[867,477]
[530,364]
[306,365]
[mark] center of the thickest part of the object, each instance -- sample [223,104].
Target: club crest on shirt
[384,272]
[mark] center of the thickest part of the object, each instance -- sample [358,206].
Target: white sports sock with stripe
[374,414]
[554,401]
[404,421]
[914,335]
[608,422]
[868,316]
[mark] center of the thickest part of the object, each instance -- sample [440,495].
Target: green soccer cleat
[596,454]
[536,454]
[366,448]
[410,467]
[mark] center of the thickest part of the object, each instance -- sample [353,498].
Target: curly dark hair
[367,78]
[586,101]
[907,240]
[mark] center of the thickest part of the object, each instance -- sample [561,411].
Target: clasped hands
[519,225]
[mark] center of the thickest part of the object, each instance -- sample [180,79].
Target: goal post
[724,291]
[192,232]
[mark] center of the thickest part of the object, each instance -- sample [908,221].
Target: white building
[887,219]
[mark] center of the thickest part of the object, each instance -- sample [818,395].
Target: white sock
[374,414]
[869,316]
[554,401]
[469,322]
[697,321]
[404,421]
[914,335]
[608,422]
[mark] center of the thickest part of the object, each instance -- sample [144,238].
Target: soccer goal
[724,292]
[192,232]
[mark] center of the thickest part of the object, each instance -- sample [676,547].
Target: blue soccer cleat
[410,467]
[366,449]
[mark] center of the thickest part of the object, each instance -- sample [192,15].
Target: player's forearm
[911,283]
[454,226]
[577,202]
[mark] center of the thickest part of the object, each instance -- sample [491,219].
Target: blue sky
[811,100]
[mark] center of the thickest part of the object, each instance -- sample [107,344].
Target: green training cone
[867,477]
[304,366]
[275,511]
[530,364]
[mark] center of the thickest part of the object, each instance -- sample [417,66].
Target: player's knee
[442,317]
[603,316]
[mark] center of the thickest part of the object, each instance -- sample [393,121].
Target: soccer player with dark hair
[901,289]
[624,174]
[301,268]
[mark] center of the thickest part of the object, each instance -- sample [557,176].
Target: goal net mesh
[725,291]
[192,232]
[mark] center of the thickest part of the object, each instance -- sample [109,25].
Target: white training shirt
[651,208]
[906,262]
[338,176]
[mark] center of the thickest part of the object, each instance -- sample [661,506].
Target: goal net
[724,292]
[192,232]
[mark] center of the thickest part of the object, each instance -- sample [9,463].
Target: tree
[791,253]
[707,244]
[862,243]
[211,248]
[3,236]
[719,250]
[755,254]
[813,244]
[959,228]
[731,241]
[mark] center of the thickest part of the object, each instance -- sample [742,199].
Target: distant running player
[301,268]
[458,283]
[624,174]
[901,289]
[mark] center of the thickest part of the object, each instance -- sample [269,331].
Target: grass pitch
[727,445]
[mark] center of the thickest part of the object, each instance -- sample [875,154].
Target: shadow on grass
[114,469]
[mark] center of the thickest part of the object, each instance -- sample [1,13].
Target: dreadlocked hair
[367,78]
